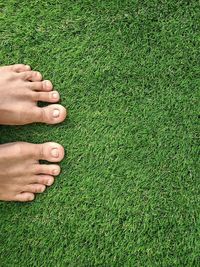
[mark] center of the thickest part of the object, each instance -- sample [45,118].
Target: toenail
[55,172]
[49,182]
[42,189]
[56,113]
[55,152]
[55,95]
[46,83]
[27,67]
[30,198]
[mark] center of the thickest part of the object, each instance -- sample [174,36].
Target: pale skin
[21,173]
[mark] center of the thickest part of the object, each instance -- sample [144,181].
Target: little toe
[33,76]
[50,97]
[45,85]
[25,197]
[51,114]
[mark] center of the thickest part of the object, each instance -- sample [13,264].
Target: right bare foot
[20,90]
[21,174]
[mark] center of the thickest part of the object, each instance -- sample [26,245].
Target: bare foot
[21,174]
[20,90]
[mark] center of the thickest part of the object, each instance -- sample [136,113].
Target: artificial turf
[129,192]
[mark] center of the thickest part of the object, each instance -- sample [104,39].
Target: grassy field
[129,192]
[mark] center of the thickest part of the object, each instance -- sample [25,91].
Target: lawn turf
[129,192]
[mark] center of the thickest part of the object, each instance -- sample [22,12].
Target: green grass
[129,192]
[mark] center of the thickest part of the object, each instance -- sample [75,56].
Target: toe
[50,151]
[25,197]
[50,97]
[45,180]
[35,188]
[33,76]
[51,114]
[45,85]
[17,68]
[51,169]
[20,68]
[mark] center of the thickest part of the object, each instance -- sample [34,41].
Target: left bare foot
[20,90]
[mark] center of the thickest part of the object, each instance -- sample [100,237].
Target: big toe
[50,151]
[51,114]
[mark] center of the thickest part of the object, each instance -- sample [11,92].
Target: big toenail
[55,153]
[56,113]
[55,95]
